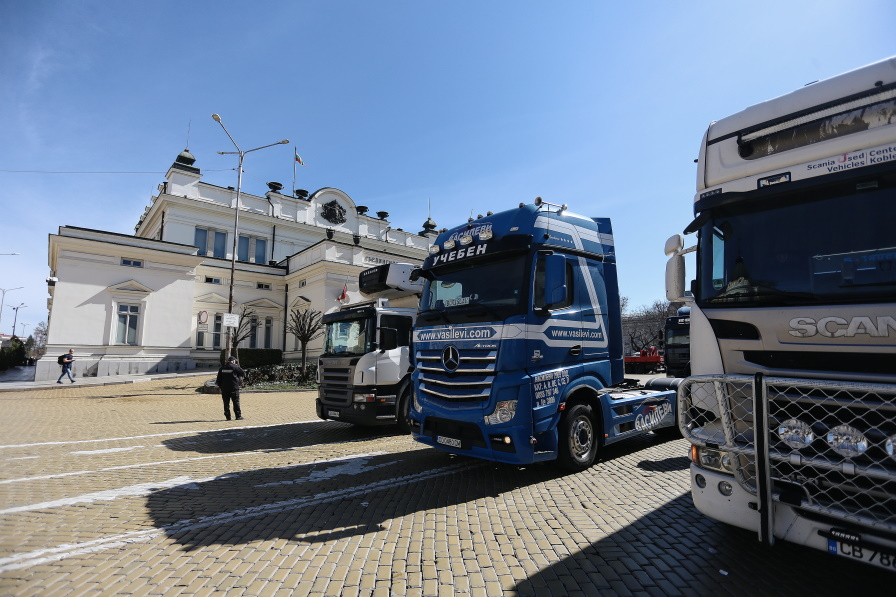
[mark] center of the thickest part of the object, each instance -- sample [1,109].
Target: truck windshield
[347,337]
[486,291]
[808,248]
[676,338]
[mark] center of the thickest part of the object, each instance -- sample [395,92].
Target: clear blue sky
[473,105]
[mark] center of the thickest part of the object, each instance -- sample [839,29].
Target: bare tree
[644,327]
[248,318]
[40,340]
[306,325]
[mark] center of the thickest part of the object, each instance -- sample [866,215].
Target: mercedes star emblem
[450,358]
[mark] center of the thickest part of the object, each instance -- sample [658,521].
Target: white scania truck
[791,407]
[364,371]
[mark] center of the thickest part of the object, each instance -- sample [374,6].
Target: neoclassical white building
[153,301]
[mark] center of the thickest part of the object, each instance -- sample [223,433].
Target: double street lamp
[16,309]
[3,301]
[236,216]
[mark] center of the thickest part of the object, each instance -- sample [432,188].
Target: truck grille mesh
[470,382]
[831,445]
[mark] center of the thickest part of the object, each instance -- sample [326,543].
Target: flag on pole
[344,294]
[299,158]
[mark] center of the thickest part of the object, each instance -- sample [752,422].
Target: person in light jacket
[230,378]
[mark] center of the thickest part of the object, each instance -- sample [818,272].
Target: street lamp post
[236,216]
[3,301]
[14,319]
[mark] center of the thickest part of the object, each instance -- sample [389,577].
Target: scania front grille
[831,446]
[336,387]
[470,381]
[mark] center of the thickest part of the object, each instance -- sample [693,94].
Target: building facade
[154,301]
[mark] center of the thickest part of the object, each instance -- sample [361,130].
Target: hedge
[289,372]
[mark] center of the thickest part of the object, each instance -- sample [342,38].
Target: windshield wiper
[483,308]
[758,292]
[439,312]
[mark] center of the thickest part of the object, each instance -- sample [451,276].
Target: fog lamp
[847,441]
[434,249]
[485,234]
[449,244]
[700,480]
[725,488]
[796,433]
[465,240]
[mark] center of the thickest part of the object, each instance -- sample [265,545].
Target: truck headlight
[716,460]
[503,413]
[365,397]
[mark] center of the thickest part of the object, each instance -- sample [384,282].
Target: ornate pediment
[211,297]
[263,304]
[130,287]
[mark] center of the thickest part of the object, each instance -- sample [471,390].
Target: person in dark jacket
[230,378]
[67,366]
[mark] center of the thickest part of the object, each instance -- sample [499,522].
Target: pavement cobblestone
[144,489]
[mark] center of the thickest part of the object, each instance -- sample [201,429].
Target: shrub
[12,356]
[288,372]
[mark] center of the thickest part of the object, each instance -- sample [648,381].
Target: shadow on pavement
[276,437]
[318,502]
[676,550]
[341,497]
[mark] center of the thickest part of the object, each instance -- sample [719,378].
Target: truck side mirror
[554,280]
[675,279]
[388,338]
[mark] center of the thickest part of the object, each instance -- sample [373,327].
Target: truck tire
[578,438]
[403,414]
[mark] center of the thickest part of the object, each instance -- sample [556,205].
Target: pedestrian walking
[230,378]
[66,361]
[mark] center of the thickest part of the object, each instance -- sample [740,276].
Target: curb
[30,386]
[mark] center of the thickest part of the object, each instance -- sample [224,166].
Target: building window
[250,245]
[268,331]
[200,240]
[242,251]
[131,262]
[127,324]
[216,333]
[263,286]
[261,250]
[210,280]
[200,335]
[220,244]
[253,333]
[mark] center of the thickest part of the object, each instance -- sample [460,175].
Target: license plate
[448,441]
[333,413]
[869,555]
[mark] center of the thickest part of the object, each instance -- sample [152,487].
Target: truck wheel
[578,438]
[403,413]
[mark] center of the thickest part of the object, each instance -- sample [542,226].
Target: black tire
[403,413]
[578,438]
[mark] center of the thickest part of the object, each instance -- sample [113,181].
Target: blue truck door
[554,337]
[594,311]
